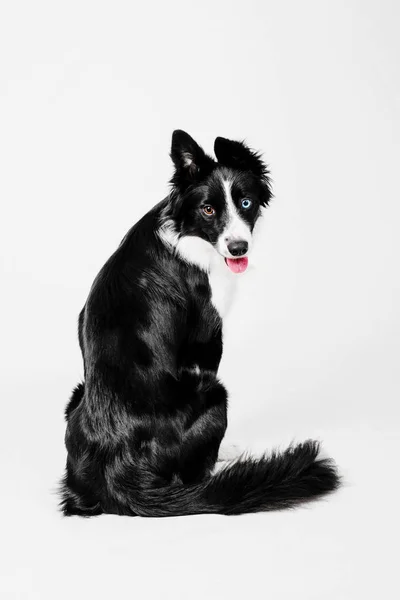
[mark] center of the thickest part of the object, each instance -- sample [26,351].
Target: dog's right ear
[190,160]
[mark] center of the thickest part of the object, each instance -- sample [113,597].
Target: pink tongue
[237,265]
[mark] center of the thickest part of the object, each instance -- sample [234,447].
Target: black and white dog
[145,427]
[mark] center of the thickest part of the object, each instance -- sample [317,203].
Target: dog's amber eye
[208,210]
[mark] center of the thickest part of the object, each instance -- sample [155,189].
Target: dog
[145,427]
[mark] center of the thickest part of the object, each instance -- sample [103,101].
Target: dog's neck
[196,251]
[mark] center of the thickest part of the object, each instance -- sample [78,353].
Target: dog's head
[217,201]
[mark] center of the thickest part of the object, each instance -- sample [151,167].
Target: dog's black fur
[144,429]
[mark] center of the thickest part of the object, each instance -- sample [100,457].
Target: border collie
[145,428]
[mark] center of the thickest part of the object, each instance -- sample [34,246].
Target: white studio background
[89,95]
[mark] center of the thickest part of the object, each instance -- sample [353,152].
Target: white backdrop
[90,93]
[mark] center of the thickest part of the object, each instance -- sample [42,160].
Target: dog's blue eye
[246,203]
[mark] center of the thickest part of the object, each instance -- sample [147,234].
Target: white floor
[344,547]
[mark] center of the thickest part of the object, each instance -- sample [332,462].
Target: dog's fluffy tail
[281,480]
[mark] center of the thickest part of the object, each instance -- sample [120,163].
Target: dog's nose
[238,248]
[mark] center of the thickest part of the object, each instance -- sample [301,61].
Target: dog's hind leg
[75,400]
[202,439]
[76,497]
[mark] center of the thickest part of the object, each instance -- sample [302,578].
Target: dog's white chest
[223,284]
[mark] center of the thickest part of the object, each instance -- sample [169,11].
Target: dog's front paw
[228,452]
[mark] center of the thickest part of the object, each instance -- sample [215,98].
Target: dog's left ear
[238,156]
[190,160]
